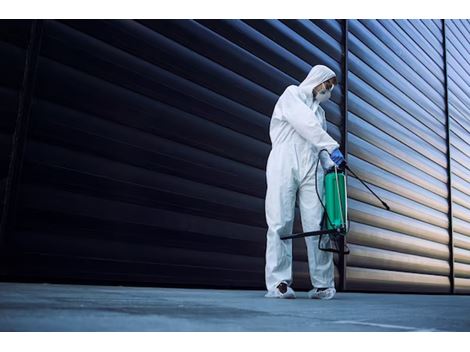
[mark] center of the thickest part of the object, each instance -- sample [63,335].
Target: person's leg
[280,212]
[320,263]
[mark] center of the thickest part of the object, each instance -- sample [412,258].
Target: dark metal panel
[330,44]
[14,36]
[8,108]
[148,146]
[147,150]
[140,76]
[141,149]
[294,42]
[11,181]
[258,44]
[213,46]
[166,54]
[333,27]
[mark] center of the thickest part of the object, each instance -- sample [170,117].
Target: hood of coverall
[317,75]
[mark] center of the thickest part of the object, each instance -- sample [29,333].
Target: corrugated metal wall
[148,142]
[458,63]
[148,145]
[397,142]
[13,40]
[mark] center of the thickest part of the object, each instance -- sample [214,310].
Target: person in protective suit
[298,132]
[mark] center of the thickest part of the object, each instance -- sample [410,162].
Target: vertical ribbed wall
[148,146]
[148,142]
[14,36]
[397,143]
[458,63]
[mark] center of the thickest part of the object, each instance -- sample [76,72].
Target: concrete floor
[49,307]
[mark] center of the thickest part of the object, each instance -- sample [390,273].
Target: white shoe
[278,294]
[329,293]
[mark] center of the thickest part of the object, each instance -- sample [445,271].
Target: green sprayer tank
[335,200]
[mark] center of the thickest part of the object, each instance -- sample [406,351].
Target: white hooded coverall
[298,132]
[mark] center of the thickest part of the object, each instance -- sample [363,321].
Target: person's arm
[304,121]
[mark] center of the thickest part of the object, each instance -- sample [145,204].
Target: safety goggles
[326,85]
[330,83]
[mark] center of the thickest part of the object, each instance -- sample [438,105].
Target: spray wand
[345,166]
